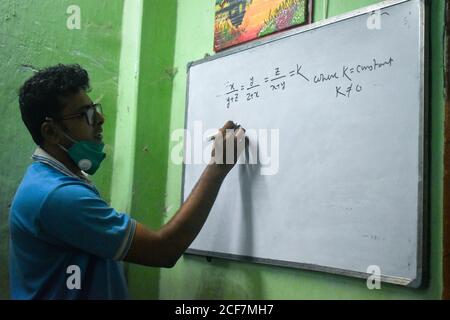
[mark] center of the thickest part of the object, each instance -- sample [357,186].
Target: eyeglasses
[90,114]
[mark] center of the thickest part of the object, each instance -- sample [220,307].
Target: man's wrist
[217,171]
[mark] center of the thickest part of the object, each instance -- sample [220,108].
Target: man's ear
[50,133]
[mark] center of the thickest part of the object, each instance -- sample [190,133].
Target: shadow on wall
[245,281]
[223,279]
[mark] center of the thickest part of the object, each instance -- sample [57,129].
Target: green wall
[193,277]
[152,130]
[35,33]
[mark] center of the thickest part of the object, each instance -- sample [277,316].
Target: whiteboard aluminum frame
[422,208]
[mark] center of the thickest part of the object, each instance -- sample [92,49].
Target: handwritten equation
[254,88]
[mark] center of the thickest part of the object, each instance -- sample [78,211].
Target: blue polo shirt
[66,242]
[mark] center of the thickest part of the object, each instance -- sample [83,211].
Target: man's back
[59,225]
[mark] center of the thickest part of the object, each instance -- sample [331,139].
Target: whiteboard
[336,121]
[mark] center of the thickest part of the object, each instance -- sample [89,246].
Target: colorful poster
[239,21]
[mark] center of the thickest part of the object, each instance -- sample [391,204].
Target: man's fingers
[228,143]
[229,125]
[240,133]
[229,133]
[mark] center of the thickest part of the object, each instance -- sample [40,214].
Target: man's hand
[229,143]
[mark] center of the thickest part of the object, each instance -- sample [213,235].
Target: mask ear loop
[83,177]
[62,147]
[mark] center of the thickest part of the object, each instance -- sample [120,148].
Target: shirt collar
[40,155]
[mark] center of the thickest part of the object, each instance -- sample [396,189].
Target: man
[60,225]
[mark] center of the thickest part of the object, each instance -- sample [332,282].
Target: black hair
[40,96]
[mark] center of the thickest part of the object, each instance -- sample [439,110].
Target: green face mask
[86,154]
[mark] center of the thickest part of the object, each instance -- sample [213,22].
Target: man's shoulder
[42,181]
[42,186]
[46,178]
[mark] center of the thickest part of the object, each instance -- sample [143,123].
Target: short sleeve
[75,215]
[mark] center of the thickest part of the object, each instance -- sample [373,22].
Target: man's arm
[163,248]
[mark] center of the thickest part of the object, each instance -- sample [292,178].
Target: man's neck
[59,154]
